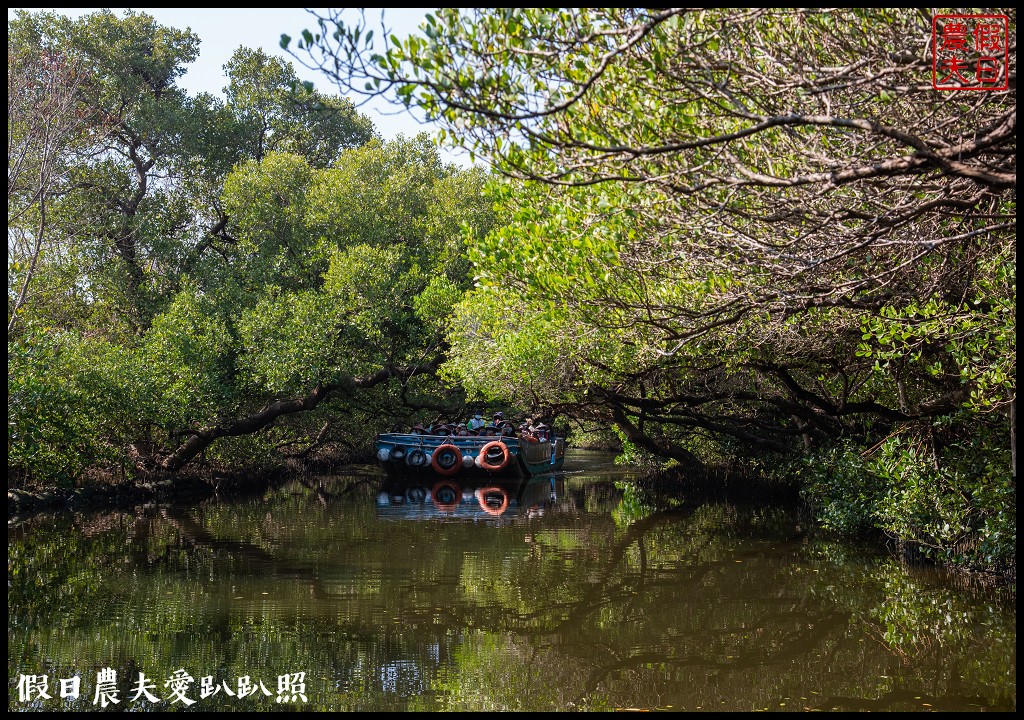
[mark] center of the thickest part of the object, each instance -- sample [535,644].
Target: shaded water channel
[570,592]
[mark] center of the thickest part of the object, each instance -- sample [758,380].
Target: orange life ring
[481,497]
[485,462]
[446,495]
[446,450]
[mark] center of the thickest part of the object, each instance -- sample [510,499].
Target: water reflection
[573,592]
[467,499]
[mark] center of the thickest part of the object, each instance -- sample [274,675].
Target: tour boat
[475,455]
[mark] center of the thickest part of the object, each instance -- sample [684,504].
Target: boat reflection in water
[465,498]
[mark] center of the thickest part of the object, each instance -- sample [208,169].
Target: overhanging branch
[201,439]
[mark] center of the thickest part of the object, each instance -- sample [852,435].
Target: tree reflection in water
[562,593]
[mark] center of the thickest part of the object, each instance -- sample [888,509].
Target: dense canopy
[736,233]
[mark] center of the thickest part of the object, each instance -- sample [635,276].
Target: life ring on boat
[494,456]
[447,459]
[416,458]
[446,495]
[484,495]
[398,453]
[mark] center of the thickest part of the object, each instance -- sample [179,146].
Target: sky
[223,30]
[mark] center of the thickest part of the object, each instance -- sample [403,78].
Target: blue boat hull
[405,453]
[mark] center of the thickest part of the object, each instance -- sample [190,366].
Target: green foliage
[206,259]
[593,438]
[434,305]
[842,492]
[957,505]
[634,456]
[277,113]
[977,335]
[960,509]
[81,403]
[48,420]
[186,358]
[268,201]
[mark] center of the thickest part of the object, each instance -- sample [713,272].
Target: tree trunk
[687,459]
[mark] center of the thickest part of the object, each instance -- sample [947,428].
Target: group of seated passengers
[536,432]
[498,427]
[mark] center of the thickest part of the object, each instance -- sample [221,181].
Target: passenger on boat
[461,430]
[476,422]
[494,426]
[542,432]
[526,432]
[503,427]
[418,429]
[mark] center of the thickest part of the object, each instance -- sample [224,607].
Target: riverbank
[21,502]
[110,494]
[100,490]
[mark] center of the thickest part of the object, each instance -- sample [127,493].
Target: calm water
[575,592]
